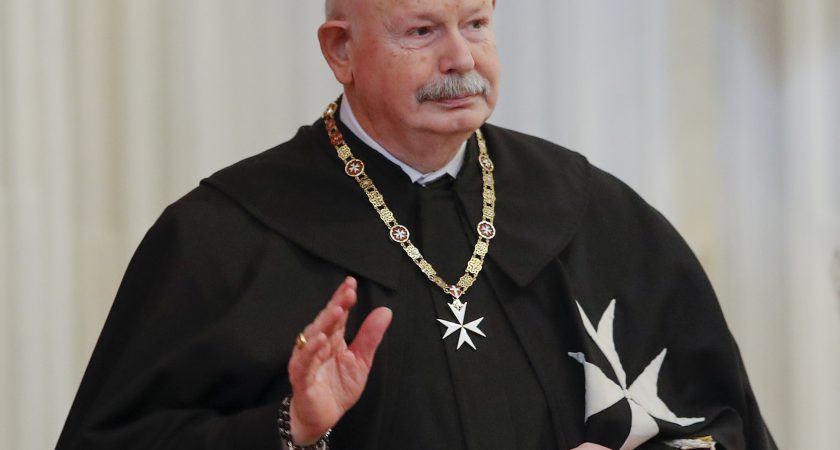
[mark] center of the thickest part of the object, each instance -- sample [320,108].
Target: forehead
[428,7]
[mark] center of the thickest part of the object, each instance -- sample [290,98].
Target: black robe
[194,351]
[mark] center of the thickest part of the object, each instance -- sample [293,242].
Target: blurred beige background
[723,114]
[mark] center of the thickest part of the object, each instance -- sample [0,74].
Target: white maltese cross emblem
[452,327]
[642,395]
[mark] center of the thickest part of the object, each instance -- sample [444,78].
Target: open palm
[327,375]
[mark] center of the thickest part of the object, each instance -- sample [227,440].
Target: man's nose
[457,54]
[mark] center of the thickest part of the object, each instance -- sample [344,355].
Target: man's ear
[334,36]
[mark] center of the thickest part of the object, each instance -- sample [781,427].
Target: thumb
[370,334]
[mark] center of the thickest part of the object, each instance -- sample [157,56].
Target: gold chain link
[486,230]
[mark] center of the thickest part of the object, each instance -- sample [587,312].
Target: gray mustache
[453,86]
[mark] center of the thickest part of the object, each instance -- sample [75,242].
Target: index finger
[334,315]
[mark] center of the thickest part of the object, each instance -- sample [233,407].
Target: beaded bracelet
[284,426]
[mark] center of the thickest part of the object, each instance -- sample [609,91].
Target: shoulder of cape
[278,167]
[299,190]
[555,188]
[534,157]
[563,197]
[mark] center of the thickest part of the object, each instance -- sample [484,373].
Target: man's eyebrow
[436,16]
[477,9]
[424,15]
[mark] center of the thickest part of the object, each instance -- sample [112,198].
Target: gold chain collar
[355,168]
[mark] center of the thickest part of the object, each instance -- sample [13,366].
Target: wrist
[302,434]
[296,436]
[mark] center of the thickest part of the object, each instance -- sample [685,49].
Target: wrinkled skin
[384,51]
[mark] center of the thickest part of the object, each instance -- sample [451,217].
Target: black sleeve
[665,301]
[184,361]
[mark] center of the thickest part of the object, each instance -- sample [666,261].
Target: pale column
[695,98]
[7,260]
[101,253]
[142,130]
[751,167]
[659,151]
[813,55]
[40,270]
[57,129]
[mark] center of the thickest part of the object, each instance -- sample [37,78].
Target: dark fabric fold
[194,352]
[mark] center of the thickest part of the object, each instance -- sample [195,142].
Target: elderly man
[514,297]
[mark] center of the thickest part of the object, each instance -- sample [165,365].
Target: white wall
[722,114]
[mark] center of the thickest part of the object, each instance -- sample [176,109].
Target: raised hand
[326,374]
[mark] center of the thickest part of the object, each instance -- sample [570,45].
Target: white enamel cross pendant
[459,309]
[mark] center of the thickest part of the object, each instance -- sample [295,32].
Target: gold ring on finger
[300,341]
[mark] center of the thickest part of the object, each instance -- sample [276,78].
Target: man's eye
[477,24]
[422,31]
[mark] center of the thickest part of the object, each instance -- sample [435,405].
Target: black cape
[194,351]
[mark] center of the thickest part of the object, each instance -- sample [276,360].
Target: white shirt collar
[451,168]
